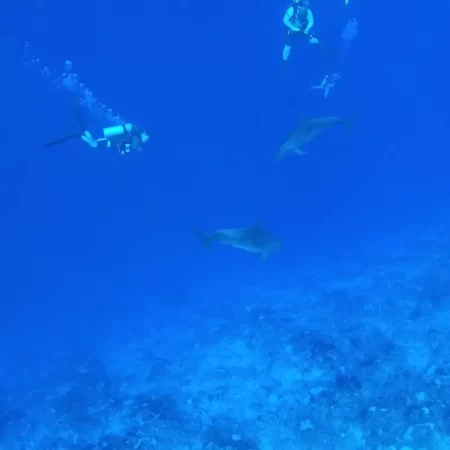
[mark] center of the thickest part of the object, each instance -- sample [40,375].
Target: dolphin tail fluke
[349,122]
[280,155]
[204,239]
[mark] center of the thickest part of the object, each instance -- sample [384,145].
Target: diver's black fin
[62,140]
[77,115]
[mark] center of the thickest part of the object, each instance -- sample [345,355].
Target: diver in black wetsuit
[125,138]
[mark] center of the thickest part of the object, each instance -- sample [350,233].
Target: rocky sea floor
[355,360]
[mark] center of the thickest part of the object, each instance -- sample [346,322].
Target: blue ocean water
[120,331]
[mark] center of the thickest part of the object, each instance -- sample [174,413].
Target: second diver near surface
[298,20]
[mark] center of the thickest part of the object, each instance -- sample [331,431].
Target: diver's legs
[89,139]
[286,52]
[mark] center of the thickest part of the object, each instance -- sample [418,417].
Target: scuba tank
[117,130]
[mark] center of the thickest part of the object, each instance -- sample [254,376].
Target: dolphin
[306,132]
[252,239]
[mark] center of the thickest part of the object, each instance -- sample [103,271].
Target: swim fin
[77,115]
[69,137]
[62,140]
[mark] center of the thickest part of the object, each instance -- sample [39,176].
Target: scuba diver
[299,20]
[124,138]
[328,83]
